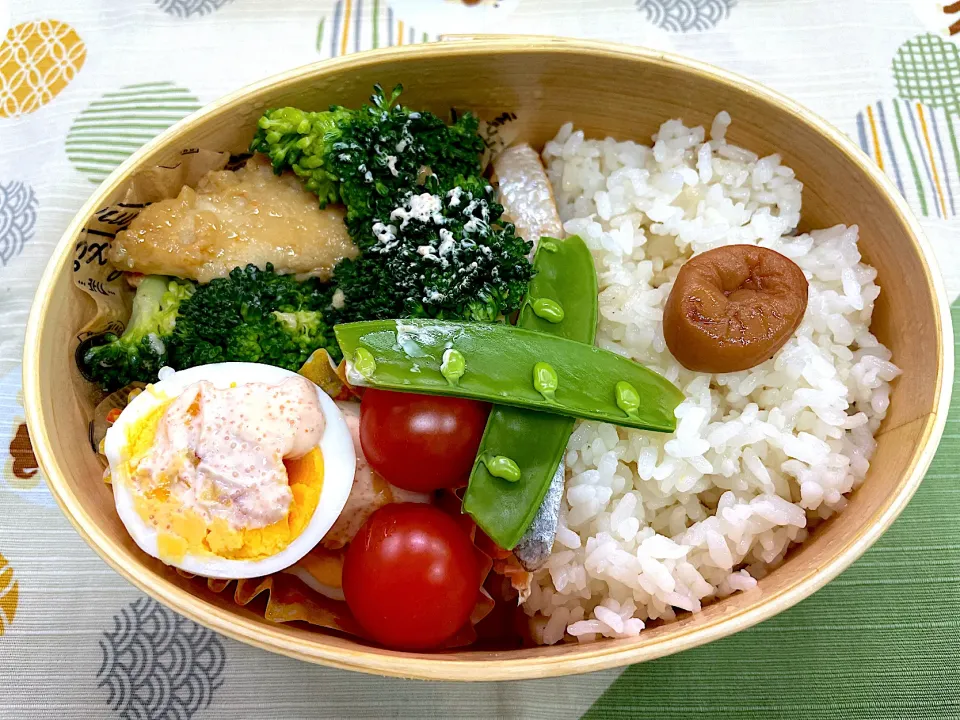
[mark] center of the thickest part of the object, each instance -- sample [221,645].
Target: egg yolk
[183,531]
[326,566]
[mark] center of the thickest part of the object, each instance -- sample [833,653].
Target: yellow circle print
[38,59]
[9,594]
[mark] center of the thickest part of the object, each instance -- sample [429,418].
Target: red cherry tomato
[410,576]
[421,442]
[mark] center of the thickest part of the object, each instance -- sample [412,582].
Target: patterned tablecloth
[77,641]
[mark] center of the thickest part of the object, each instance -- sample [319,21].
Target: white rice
[654,523]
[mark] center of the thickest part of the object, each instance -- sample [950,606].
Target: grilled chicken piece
[234,218]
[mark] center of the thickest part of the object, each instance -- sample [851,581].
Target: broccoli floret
[302,141]
[459,261]
[386,149]
[306,328]
[442,257]
[253,316]
[143,348]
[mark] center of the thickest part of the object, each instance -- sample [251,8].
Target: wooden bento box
[605,90]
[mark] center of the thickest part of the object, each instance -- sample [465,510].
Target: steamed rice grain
[654,523]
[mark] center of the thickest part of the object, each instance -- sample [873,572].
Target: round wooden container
[606,90]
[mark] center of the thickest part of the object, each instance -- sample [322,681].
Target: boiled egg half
[231,470]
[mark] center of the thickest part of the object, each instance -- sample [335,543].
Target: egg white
[336,445]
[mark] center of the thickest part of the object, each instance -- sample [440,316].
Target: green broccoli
[384,162]
[253,316]
[143,348]
[440,257]
[300,141]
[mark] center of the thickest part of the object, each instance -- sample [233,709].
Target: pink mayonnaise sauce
[220,451]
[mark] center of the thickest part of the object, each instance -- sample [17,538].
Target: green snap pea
[364,362]
[453,366]
[500,466]
[628,399]
[549,310]
[545,380]
[536,440]
[408,353]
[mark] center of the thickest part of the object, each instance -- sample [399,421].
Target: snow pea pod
[534,440]
[498,368]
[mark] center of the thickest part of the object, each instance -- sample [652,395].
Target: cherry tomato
[421,442]
[410,576]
